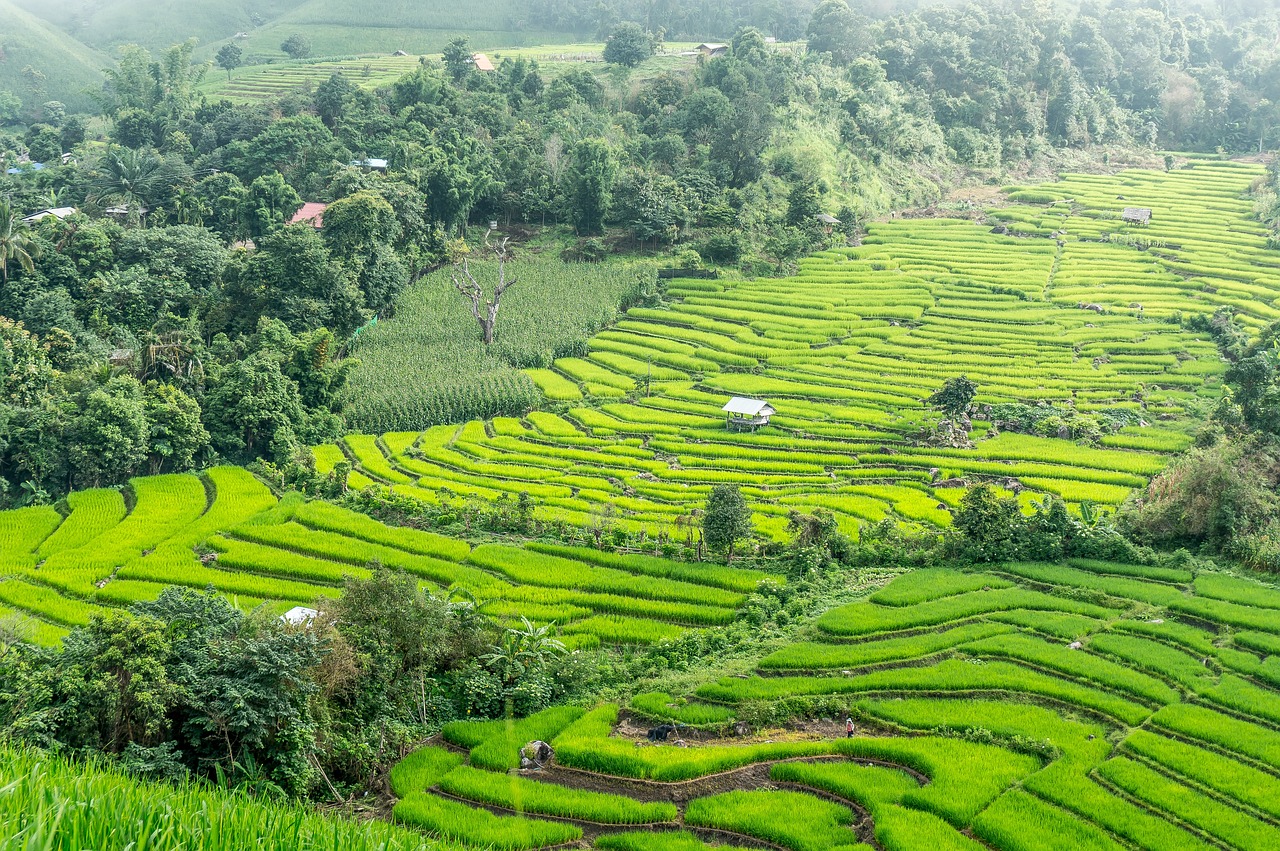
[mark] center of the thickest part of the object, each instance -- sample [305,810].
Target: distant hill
[335,27]
[343,27]
[70,68]
[155,24]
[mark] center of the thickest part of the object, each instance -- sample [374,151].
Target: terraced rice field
[262,83]
[225,530]
[1072,308]
[1029,707]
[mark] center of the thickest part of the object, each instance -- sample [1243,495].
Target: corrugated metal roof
[58,212]
[747,407]
[482,62]
[1136,214]
[312,211]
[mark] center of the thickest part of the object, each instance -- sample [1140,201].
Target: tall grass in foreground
[54,804]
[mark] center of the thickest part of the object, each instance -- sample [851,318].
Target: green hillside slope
[106,24]
[70,68]
[335,27]
[338,27]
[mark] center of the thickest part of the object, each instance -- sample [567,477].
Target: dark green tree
[457,59]
[107,440]
[131,178]
[112,688]
[17,244]
[593,172]
[987,525]
[955,398]
[628,45]
[804,205]
[226,199]
[253,410]
[738,146]
[333,96]
[229,58]
[269,203]
[298,46]
[727,519]
[833,29]
[355,224]
[177,437]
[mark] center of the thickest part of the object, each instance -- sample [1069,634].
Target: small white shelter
[299,616]
[56,212]
[374,163]
[121,210]
[743,414]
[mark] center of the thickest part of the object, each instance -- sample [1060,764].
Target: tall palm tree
[16,244]
[189,208]
[127,177]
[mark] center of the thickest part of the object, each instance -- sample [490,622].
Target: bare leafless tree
[484,310]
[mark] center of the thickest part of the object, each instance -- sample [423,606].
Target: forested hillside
[40,63]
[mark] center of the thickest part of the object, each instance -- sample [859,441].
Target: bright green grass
[477,827]
[791,819]
[532,796]
[50,802]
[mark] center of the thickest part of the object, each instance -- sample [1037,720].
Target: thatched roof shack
[744,414]
[1136,215]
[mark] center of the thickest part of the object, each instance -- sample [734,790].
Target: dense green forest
[155,327]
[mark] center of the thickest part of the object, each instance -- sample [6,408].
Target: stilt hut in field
[746,414]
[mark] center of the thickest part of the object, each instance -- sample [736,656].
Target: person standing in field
[848,727]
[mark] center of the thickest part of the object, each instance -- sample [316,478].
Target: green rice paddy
[1138,731]
[1079,314]
[225,530]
